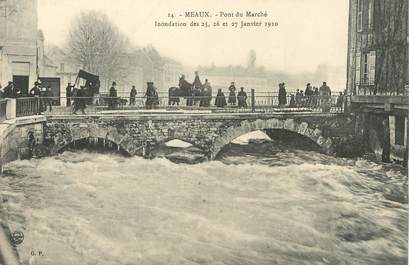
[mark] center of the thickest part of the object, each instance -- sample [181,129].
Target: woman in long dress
[220,99]
[232,94]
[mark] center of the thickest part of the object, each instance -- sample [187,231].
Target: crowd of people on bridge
[313,97]
[200,95]
[195,94]
[43,92]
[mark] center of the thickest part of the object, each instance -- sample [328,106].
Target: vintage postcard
[205,132]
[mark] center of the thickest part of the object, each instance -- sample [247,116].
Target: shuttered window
[370,14]
[366,68]
[369,63]
[358,69]
[372,67]
[359,16]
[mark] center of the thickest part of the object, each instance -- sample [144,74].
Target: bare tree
[97,44]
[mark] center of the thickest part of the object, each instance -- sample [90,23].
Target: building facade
[18,43]
[57,69]
[172,71]
[249,78]
[378,73]
[147,65]
[378,55]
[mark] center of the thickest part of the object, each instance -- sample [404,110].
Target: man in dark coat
[47,98]
[308,90]
[298,98]
[16,92]
[340,101]
[132,96]
[232,94]
[242,98]
[79,100]
[308,94]
[316,95]
[35,91]
[68,94]
[282,95]
[220,99]
[325,95]
[197,84]
[8,90]
[150,96]
[197,88]
[206,94]
[112,97]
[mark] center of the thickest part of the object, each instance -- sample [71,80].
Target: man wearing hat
[242,98]
[35,91]
[8,90]
[232,94]
[112,97]
[308,94]
[150,96]
[68,93]
[325,95]
[132,96]
[282,95]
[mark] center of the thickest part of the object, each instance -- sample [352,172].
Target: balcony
[382,103]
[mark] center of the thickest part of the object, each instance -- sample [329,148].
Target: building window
[365,65]
[358,69]
[359,16]
[372,68]
[369,64]
[370,14]
[400,130]
[61,67]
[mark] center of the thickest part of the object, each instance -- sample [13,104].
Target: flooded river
[259,203]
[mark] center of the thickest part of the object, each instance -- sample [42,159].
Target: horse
[174,93]
[184,90]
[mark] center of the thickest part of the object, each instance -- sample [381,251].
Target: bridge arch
[94,144]
[298,127]
[62,140]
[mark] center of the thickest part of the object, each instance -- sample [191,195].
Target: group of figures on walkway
[80,97]
[42,92]
[198,94]
[83,96]
[311,98]
[195,94]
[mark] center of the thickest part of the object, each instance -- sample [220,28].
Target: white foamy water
[178,143]
[256,135]
[83,208]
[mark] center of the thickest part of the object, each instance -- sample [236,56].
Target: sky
[309,32]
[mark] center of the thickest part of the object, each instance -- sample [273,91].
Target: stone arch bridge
[333,133]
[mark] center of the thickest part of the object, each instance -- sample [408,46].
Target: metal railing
[215,104]
[253,103]
[28,106]
[371,90]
